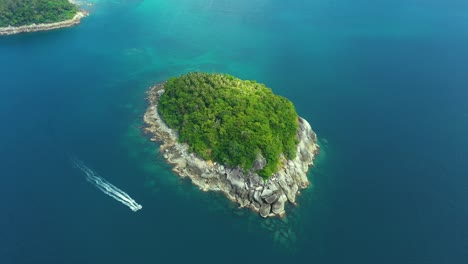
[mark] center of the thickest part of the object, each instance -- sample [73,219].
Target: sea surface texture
[384,84]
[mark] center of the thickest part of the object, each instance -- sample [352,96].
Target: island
[20,16]
[234,136]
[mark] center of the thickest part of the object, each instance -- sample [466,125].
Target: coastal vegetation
[231,121]
[27,12]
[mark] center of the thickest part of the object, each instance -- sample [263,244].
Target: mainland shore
[43,27]
[247,189]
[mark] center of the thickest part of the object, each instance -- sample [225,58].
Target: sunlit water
[383,84]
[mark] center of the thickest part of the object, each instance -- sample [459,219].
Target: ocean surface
[383,83]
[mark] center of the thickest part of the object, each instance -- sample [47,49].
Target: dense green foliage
[229,120]
[26,12]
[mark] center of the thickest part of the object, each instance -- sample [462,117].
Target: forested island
[18,16]
[233,136]
[230,121]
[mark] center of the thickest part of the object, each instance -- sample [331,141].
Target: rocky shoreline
[247,189]
[43,27]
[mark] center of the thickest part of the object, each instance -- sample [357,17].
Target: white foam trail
[107,187]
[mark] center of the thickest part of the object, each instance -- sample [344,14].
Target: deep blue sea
[383,83]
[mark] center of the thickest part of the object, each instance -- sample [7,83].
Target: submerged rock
[245,188]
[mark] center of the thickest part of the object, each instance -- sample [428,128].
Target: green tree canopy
[230,121]
[27,12]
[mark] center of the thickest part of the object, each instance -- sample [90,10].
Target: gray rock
[207,175]
[257,179]
[273,186]
[256,197]
[251,194]
[235,178]
[278,207]
[266,193]
[259,163]
[265,210]
[256,205]
[272,198]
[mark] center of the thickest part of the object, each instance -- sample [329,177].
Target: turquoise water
[383,84]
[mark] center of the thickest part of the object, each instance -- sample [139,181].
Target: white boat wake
[106,186]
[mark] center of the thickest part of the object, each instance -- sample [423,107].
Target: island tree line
[231,121]
[27,12]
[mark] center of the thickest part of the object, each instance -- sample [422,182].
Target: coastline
[4,31]
[247,189]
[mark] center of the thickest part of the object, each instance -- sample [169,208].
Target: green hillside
[229,120]
[26,12]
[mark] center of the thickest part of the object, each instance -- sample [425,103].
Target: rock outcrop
[245,188]
[43,27]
